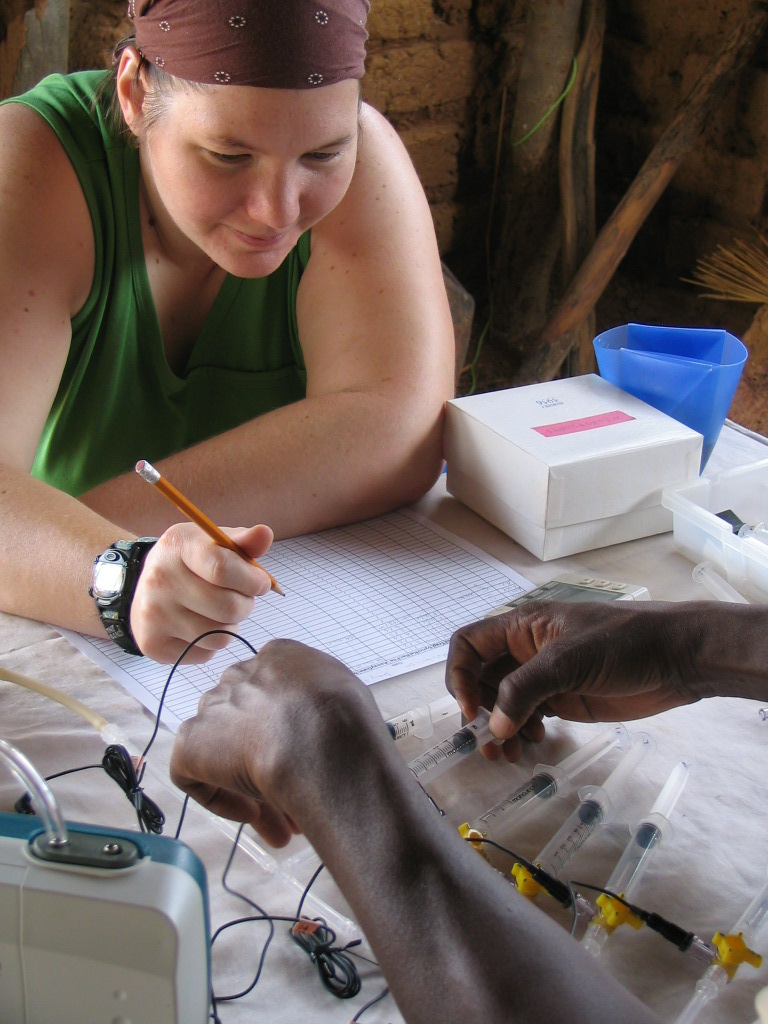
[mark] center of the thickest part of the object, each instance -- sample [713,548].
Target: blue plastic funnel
[689,373]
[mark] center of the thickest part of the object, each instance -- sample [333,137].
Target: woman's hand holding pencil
[185,506]
[189,586]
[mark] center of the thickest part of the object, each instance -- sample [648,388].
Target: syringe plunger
[672,788]
[596,806]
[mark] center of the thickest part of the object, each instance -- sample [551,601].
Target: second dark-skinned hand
[586,662]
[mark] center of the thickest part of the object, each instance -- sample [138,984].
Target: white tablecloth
[702,877]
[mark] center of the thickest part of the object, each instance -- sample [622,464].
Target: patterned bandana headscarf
[277,44]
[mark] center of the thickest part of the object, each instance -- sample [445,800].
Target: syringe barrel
[416,721]
[442,756]
[642,744]
[595,807]
[443,707]
[648,833]
[635,859]
[498,819]
[581,759]
[570,837]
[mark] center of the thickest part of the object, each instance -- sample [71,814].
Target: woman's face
[241,172]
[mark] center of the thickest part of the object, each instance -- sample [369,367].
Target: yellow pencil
[152,476]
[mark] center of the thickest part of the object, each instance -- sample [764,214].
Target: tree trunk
[577,173]
[522,268]
[553,344]
[35,42]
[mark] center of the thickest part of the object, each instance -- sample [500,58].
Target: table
[702,877]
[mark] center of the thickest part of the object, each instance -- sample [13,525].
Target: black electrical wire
[334,965]
[674,933]
[371,1002]
[565,894]
[176,664]
[549,883]
[261,915]
[119,766]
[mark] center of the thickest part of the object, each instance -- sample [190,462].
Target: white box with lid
[567,465]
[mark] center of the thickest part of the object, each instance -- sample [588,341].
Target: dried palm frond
[736,274]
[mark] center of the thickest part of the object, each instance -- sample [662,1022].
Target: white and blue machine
[101,925]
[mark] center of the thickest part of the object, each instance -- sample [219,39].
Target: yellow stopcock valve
[473,836]
[732,951]
[614,912]
[525,882]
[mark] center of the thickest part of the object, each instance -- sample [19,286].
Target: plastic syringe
[718,587]
[646,839]
[419,717]
[442,756]
[732,950]
[546,781]
[596,806]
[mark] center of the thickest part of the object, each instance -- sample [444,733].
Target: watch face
[108,580]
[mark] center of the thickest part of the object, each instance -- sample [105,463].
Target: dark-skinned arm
[291,740]
[591,662]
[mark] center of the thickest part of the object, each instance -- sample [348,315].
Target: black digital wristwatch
[114,577]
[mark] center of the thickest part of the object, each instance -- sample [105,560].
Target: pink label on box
[603,419]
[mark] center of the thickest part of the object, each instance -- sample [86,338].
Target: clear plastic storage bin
[703,536]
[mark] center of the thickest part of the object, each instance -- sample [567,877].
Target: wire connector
[336,969]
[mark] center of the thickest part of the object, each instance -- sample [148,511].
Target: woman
[239,283]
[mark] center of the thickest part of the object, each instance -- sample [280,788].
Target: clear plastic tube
[646,838]
[45,802]
[546,781]
[455,748]
[708,987]
[108,731]
[596,806]
[705,574]
[753,919]
[419,717]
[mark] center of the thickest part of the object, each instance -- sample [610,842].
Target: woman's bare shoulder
[385,199]
[44,212]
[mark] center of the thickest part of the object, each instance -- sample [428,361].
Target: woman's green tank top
[118,400]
